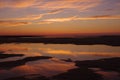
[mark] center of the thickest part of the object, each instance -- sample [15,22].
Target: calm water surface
[58,52]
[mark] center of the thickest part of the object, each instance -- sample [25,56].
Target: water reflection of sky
[75,52]
[55,65]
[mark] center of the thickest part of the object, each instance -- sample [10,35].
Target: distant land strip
[103,40]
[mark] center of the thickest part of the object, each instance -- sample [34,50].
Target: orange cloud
[48,21]
[61,19]
[45,22]
[50,4]
[79,18]
[74,4]
[28,17]
[16,3]
[36,17]
[12,23]
[106,17]
[56,11]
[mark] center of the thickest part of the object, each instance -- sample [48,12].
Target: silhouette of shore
[106,40]
[109,64]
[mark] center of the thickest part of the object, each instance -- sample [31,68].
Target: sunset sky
[59,17]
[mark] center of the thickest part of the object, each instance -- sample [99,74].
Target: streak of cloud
[73,18]
[35,17]
[16,3]
[12,23]
[50,4]
[69,4]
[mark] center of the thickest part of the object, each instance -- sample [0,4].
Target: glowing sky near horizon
[51,17]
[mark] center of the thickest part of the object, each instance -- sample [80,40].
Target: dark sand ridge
[12,64]
[3,56]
